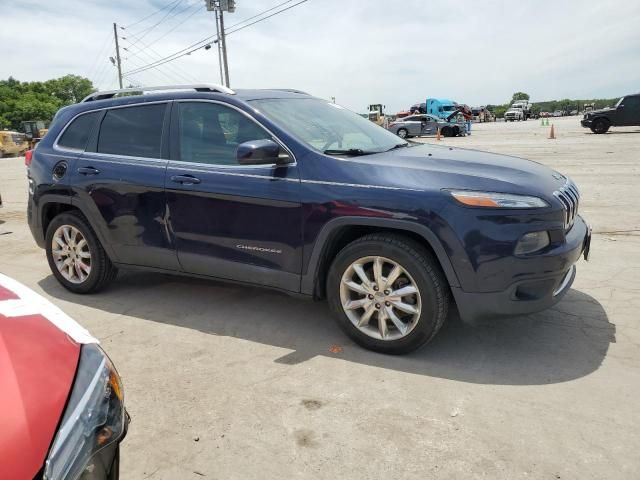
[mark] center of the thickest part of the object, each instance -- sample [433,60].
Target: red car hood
[39,351]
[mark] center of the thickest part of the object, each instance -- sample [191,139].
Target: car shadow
[614,132]
[566,342]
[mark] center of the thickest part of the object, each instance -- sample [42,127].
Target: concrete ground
[231,382]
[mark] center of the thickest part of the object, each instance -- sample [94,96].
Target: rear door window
[77,133]
[132,131]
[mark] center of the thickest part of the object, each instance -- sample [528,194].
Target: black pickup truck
[626,113]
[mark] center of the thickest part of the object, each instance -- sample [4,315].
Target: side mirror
[620,107]
[261,152]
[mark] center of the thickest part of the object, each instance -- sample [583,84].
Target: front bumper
[586,122]
[536,292]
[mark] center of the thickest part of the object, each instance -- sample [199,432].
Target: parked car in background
[626,113]
[558,113]
[422,124]
[303,196]
[61,402]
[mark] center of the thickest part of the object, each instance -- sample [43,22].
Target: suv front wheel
[387,293]
[76,256]
[600,125]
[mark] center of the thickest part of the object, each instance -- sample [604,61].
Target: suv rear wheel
[600,125]
[76,256]
[387,293]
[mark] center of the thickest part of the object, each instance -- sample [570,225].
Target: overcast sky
[361,52]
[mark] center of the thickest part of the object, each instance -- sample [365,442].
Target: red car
[62,412]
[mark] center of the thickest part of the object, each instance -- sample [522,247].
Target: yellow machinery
[12,143]
[376,114]
[35,130]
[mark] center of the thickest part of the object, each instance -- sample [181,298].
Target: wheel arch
[339,232]
[53,205]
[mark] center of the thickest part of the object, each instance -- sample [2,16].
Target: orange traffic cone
[552,133]
[438,135]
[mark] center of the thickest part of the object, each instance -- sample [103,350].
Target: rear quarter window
[77,133]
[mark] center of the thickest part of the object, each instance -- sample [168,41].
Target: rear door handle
[88,171]
[185,179]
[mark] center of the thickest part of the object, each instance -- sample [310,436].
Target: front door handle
[185,179]
[88,171]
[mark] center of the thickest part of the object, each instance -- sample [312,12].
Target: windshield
[619,102]
[327,126]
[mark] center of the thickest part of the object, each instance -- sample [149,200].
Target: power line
[259,14]
[268,16]
[148,29]
[105,45]
[154,56]
[204,42]
[152,14]
[197,10]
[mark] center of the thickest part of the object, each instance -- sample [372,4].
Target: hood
[602,110]
[434,167]
[38,362]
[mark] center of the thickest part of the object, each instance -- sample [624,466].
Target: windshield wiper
[354,152]
[399,145]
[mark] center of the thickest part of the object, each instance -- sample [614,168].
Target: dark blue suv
[281,189]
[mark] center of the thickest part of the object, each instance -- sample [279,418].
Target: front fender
[308,279]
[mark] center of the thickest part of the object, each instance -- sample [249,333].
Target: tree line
[22,101]
[564,105]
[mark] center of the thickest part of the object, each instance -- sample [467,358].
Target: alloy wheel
[71,254]
[380,298]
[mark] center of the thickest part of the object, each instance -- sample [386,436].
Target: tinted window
[211,133]
[631,102]
[132,131]
[77,133]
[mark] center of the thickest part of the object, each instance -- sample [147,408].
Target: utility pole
[219,45]
[223,41]
[115,34]
[219,7]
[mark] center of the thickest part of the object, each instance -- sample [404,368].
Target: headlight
[532,242]
[94,417]
[497,200]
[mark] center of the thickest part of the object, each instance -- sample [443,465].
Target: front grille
[569,196]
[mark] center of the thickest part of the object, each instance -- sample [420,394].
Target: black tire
[421,266]
[600,125]
[456,131]
[403,133]
[447,132]
[102,270]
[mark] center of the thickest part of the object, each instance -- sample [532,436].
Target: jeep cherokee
[281,189]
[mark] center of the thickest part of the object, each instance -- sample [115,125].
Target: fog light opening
[532,242]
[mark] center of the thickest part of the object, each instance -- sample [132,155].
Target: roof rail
[292,90]
[204,87]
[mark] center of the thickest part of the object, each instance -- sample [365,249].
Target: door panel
[230,221]
[243,224]
[124,194]
[127,198]
[630,113]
